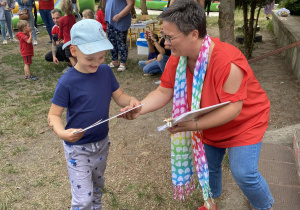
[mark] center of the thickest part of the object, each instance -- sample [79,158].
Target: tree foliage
[293,6]
[250,9]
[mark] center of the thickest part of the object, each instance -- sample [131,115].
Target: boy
[88,14]
[25,39]
[86,90]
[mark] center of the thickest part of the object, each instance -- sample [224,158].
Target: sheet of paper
[191,115]
[100,121]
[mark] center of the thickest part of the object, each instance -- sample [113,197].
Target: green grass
[5,203]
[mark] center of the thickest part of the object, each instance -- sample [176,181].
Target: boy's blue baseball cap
[89,37]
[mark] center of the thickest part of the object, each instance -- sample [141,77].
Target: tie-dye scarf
[181,147]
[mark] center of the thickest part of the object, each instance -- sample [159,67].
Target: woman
[27,4]
[5,19]
[118,18]
[202,72]
[268,8]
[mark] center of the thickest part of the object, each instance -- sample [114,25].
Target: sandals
[111,65]
[121,68]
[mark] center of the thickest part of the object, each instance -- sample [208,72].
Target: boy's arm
[123,100]
[55,123]
[29,40]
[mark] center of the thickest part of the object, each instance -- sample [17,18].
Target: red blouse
[65,25]
[247,128]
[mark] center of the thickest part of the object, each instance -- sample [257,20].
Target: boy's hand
[134,113]
[68,135]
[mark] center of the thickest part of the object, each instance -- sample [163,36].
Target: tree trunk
[254,32]
[226,21]
[249,39]
[144,7]
[246,27]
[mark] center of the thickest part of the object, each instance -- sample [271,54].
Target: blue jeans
[243,162]
[150,68]
[47,19]
[163,62]
[31,23]
[3,29]
[76,10]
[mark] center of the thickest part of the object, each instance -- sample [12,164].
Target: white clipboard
[191,115]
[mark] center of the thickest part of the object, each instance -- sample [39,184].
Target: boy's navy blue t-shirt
[87,98]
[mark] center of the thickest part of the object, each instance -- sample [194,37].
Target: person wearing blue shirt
[86,91]
[118,18]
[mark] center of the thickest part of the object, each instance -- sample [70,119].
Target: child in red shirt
[65,24]
[100,17]
[26,48]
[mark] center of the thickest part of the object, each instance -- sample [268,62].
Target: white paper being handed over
[191,115]
[100,121]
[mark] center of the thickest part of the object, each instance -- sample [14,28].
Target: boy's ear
[73,50]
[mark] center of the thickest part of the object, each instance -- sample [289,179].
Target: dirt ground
[138,174]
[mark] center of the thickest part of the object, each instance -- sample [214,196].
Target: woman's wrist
[196,123]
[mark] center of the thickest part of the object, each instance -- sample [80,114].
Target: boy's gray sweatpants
[86,165]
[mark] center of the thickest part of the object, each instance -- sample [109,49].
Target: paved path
[277,165]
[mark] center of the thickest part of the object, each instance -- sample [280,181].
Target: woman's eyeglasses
[168,38]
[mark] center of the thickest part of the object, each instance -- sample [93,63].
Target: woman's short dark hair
[188,15]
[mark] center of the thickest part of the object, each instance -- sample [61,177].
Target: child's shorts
[68,52]
[27,59]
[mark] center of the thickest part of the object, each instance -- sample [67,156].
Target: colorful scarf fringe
[182,143]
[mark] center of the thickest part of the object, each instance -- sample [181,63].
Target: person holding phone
[158,55]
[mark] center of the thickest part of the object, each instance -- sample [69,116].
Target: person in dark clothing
[207,6]
[57,54]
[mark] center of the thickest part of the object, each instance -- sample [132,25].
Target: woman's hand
[183,126]
[133,114]
[116,18]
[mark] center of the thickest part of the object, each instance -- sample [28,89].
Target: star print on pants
[73,162]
